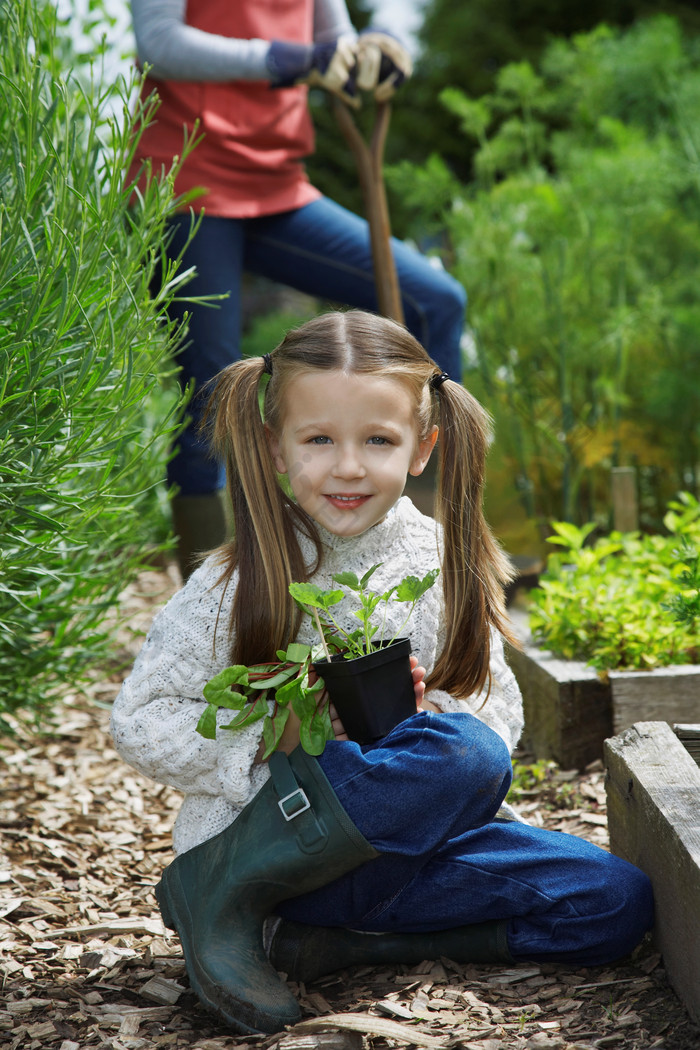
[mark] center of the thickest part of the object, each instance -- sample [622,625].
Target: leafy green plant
[352,644]
[544,780]
[85,355]
[685,606]
[250,690]
[608,602]
[583,200]
[269,691]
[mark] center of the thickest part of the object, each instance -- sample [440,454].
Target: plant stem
[400,629]
[320,631]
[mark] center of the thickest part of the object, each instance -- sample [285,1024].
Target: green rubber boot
[305,953]
[292,838]
[200,524]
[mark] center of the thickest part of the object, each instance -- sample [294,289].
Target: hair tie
[267,364]
[437,379]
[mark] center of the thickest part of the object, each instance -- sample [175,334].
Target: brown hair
[266,550]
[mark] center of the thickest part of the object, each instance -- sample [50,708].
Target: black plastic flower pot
[371,693]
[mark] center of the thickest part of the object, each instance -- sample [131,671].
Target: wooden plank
[687,732]
[567,707]
[653,790]
[623,484]
[669,694]
[689,736]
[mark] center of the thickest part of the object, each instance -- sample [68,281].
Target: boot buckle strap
[294,804]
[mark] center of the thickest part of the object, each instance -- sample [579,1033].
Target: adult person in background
[238,74]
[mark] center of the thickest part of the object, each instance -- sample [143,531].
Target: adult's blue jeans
[426,797]
[321,249]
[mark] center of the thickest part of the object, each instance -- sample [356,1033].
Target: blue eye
[378,441]
[320,439]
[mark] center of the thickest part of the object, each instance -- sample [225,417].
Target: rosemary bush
[85,417]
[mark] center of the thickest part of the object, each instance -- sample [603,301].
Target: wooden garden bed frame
[653,792]
[570,709]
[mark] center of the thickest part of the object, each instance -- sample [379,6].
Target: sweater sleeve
[155,715]
[177,51]
[331,20]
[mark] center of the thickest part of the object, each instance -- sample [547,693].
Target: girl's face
[347,444]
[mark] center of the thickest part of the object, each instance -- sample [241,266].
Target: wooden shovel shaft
[369,160]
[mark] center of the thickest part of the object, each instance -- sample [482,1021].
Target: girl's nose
[348,463]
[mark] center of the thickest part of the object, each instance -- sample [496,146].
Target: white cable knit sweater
[155,714]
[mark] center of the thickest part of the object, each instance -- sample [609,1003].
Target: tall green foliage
[466,45]
[83,355]
[579,243]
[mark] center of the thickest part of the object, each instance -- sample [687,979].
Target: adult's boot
[200,523]
[305,953]
[293,837]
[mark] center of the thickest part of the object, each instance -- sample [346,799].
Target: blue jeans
[320,249]
[426,797]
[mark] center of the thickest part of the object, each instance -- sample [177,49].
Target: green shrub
[84,353]
[578,241]
[627,600]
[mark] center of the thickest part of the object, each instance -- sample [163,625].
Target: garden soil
[85,960]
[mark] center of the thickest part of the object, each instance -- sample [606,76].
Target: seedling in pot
[369,681]
[250,691]
[369,636]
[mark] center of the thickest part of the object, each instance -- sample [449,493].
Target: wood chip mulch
[85,960]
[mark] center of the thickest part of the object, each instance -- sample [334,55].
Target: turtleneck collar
[380,535]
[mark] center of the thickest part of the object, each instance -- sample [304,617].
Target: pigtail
[265,549]
[474,568]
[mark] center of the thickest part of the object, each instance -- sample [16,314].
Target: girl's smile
[347,444]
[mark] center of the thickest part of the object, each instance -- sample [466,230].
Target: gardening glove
[330,66]
[383,63]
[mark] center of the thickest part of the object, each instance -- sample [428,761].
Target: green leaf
[297,653]
[347,579]
[218,689]
[288,693]
[273,728]
[368,575]
[206,725]
[224,697]
[569,535]
[313,737]
[304,700]
[315,729]
[277,680]
[411,588]
[250,714]
[314,596]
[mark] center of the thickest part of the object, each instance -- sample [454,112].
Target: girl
[392,852]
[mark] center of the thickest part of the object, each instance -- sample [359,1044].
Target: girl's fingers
[338,727]
[418,675]
[417,672]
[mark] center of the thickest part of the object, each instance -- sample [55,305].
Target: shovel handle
[369,160]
